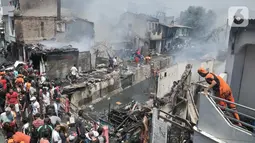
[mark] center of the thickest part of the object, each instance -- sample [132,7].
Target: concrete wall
[138,25]
[246,93]
[84,61]
[235,60]
[8,29]
[31,29]
[158,46]
[168,75]
[161,62]
[60,63]
[79,29]
[113,85]
[37,4]
[141,74]
[97,90]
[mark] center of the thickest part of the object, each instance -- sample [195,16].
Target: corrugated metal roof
[40,48]
[176,25]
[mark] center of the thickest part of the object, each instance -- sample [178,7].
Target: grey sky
[112,8]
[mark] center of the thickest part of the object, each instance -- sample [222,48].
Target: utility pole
[58,10]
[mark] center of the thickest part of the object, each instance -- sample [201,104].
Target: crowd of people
[32,110]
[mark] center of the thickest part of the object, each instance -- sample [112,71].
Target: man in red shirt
[12,98]
[38,121]
[3,81]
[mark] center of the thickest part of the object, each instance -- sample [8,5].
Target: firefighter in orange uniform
[221,89]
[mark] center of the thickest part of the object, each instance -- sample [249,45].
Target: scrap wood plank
[192,109]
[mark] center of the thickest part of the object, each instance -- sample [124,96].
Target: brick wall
[30,29]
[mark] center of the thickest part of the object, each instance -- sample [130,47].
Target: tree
[199,19]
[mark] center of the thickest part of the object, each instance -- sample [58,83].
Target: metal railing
[180,122]
[234,111]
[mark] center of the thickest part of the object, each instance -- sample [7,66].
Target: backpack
[42,130]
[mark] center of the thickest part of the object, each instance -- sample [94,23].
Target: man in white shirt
[35,106]
[46,99]
[43,78]
[74,70]
[74,73]
[55,134]
[32,90]
[115,62]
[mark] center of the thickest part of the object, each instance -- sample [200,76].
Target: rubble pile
[126,122]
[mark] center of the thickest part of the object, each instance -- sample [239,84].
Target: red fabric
[4,83]
[12,98]
[38,122]
[136,59]
[25,67]
[106,133]
[67,108]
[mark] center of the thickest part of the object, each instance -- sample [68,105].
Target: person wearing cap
[35,105]
[7,116]
[220,88]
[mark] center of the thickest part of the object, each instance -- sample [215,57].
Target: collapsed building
[42,21]
[55,62]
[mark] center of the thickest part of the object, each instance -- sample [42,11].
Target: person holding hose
[221,89]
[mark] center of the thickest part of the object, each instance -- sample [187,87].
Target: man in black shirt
[23,103]
[80,127]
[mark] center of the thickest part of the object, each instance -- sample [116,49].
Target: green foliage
[199,19]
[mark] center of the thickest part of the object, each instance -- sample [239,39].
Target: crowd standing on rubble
[32,110]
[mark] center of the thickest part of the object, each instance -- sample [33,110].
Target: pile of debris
[126,122]
[133,122]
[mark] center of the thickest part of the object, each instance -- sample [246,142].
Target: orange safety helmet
[202,72]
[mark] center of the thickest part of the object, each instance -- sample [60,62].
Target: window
[12,26]
[42,29]
[149,24]
[165,74]
[61,27]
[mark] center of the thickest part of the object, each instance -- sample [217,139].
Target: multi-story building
[34,21]
[151,34]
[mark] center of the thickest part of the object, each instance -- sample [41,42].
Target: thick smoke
[208,38]
[83,45]
[106,13]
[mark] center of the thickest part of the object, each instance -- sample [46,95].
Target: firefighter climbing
[221,89]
